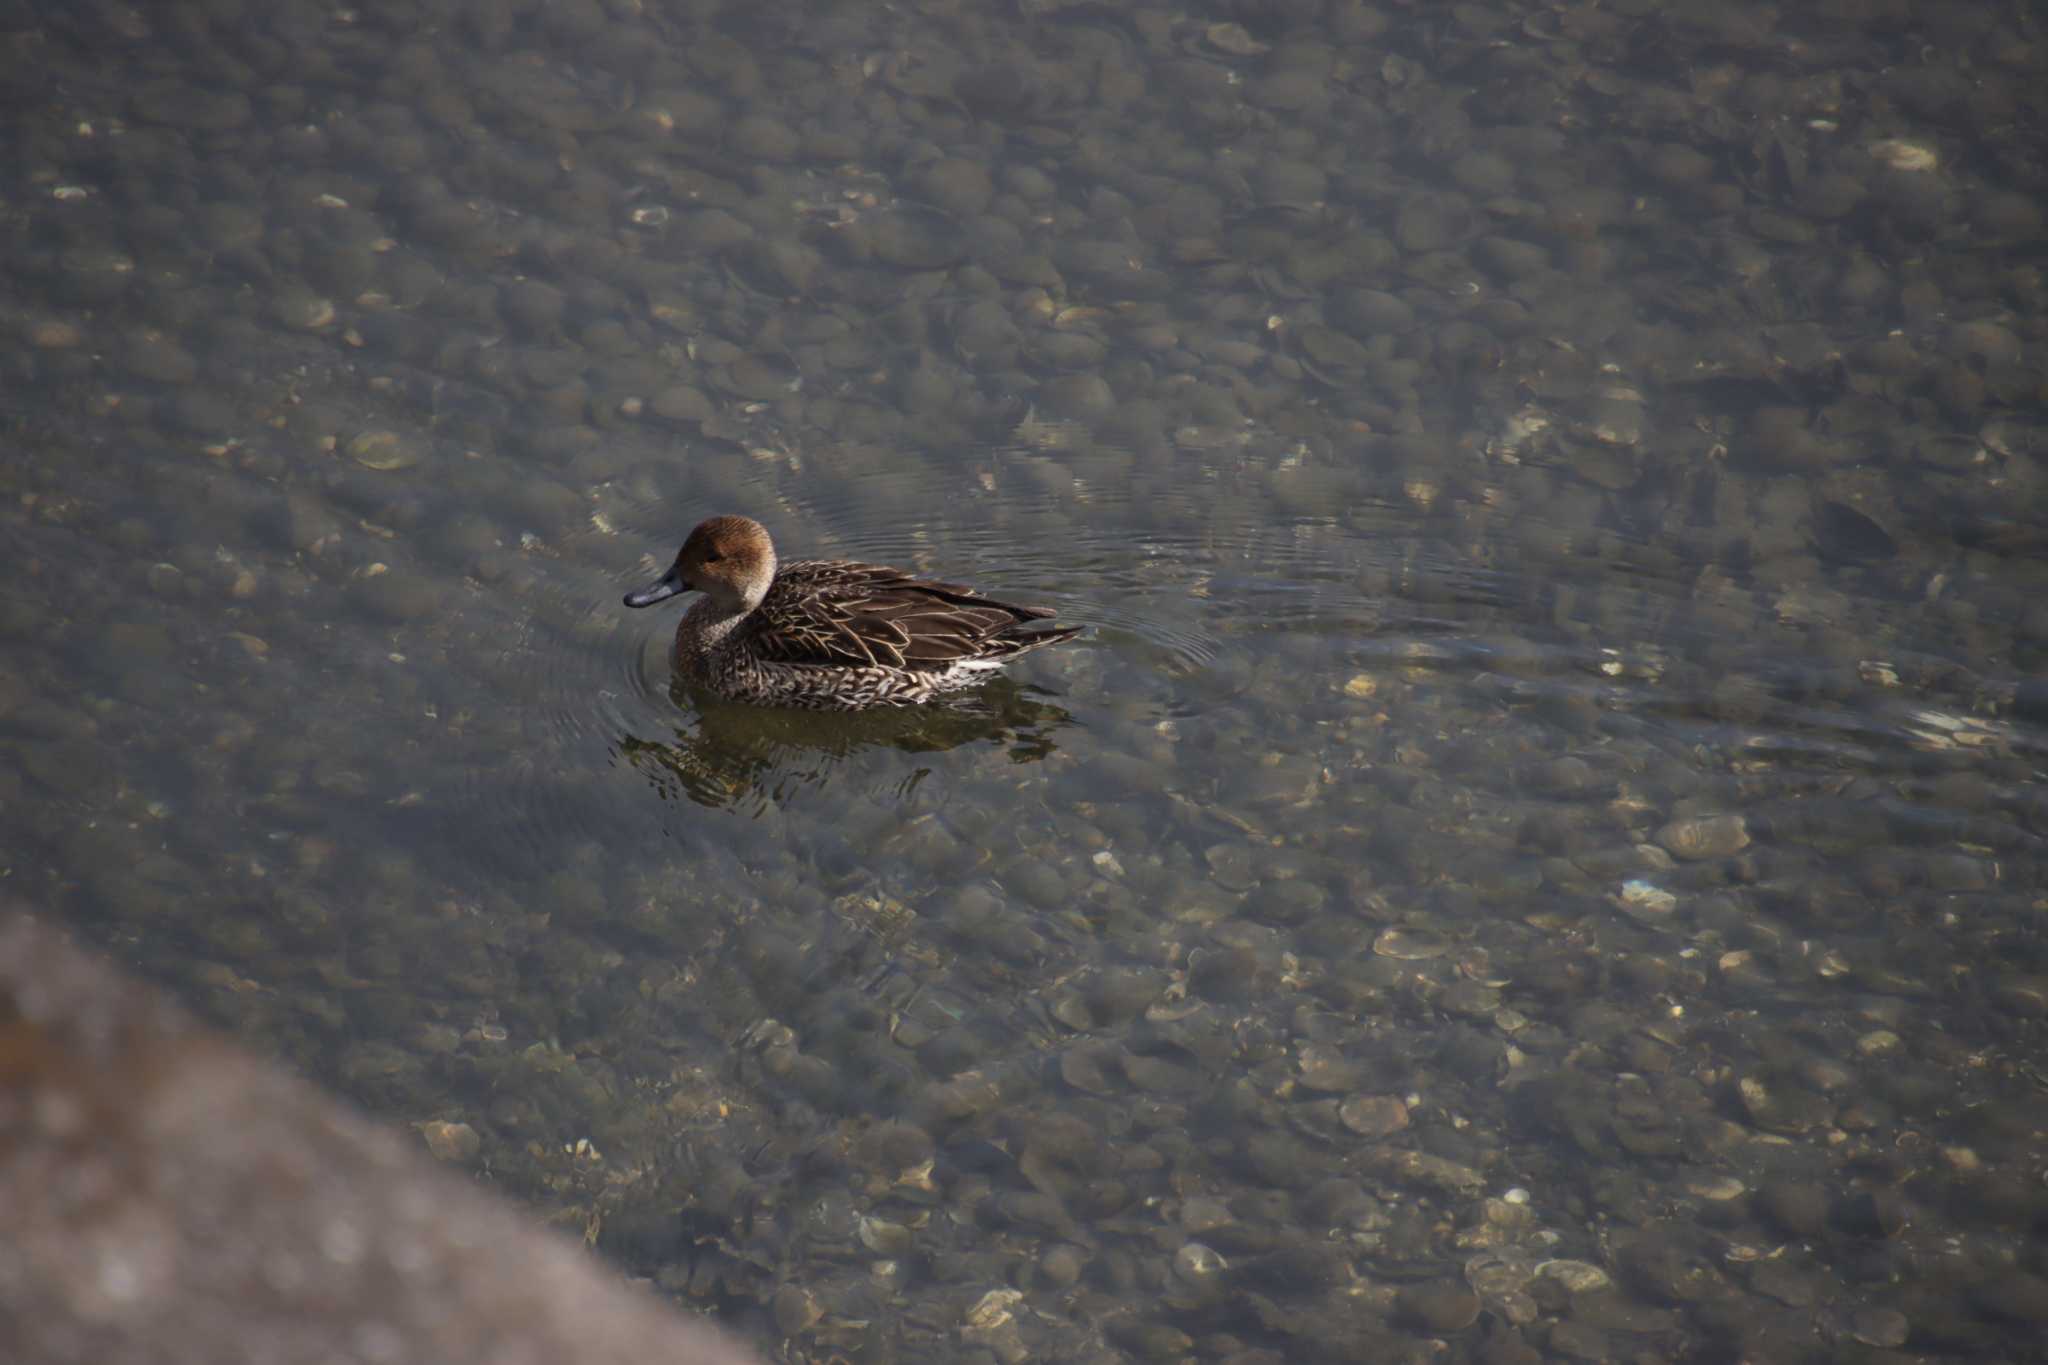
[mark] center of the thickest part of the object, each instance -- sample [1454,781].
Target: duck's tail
[1017,640]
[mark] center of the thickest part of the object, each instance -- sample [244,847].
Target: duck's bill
[669,585]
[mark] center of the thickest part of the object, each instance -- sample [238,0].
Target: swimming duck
[830,634]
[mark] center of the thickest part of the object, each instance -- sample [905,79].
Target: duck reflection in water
[732,754]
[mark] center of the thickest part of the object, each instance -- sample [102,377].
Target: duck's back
[847,614]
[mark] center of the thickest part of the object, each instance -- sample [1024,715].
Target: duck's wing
[851,615]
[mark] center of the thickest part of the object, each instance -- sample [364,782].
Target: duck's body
[831,634]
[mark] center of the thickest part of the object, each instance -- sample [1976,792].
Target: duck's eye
[712,556]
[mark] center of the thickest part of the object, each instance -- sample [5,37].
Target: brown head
[728,559]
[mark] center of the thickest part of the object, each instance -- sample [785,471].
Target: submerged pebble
[385,450]
[1699,837]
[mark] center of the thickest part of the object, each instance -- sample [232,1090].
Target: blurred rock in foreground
[167,1197]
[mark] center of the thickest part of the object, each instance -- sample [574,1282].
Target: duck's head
[728,559]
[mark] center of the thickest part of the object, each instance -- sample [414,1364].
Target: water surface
[1538,852]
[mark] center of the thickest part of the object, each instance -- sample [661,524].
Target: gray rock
[212,1169]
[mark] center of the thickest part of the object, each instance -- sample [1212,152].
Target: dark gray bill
[660,590]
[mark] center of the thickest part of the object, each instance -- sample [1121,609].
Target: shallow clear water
[1539,849]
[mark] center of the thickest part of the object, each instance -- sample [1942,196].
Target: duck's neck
[706,624]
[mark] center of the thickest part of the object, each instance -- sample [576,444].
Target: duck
[831,634]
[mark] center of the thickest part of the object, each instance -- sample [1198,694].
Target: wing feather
[847,614]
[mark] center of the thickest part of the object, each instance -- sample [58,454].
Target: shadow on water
[728,756]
